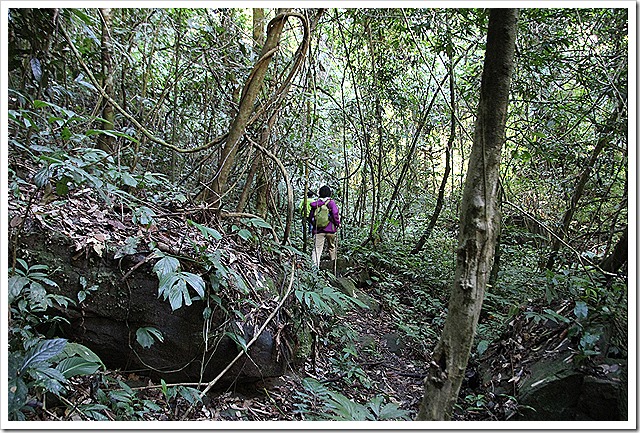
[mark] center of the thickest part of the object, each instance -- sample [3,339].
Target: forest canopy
[181,142]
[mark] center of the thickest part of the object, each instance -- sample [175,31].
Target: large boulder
[108,319]
[558,391]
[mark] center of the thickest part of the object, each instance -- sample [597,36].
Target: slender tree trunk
[106,142]
[262,186]
[447,166]
[479,221]
[249,94]
[579,190]
[174,121]
[408,160]
[618,257]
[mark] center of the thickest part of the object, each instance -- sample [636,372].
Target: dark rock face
[559,392]
[108,319]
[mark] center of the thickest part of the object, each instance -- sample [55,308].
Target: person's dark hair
[309,193]
[325,191]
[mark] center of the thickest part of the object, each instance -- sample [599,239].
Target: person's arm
[312,212]
[335,214]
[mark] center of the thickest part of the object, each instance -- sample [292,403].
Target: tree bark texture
[619,256]
[479,222]
[249,94]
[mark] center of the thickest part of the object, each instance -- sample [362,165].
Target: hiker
[325,221]
[305,210]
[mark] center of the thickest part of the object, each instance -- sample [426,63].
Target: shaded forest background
[225,117]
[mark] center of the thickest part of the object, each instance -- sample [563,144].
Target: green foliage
[173,282]
[147,335]
[82,294]
[319,402]
[206,231]
[318,297]
[29,298]
[123,402]
[39,366]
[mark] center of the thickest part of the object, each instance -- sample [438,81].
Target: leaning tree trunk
[479,221]
[580,187]
[249,94]
[618,257]
[447,165]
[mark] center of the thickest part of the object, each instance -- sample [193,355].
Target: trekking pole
[335,259]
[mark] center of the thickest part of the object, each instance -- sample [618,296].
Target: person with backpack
[304,208]
[325,220]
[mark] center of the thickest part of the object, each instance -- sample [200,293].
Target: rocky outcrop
[540,365]
[557,391]
[107,320]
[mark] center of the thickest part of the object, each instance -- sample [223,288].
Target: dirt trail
[384,363]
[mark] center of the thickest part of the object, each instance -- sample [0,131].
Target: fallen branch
[250,343]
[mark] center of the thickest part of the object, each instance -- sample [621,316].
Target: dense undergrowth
[51,156]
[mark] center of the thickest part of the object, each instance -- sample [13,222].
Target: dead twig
[250,343]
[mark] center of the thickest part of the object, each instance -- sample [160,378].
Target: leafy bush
[319,402]
[38,366]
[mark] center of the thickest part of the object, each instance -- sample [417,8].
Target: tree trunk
[106,142]
[249,94]
[578,191]
[618,257]
[447,166]
[479,221]
[262,187]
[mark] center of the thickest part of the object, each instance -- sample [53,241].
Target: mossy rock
[346,286]
[370,302]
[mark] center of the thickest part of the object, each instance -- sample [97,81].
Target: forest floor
[386,367]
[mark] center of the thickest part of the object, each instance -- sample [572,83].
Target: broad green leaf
[62,186]
[392,411]
[483,345]
[17,395]
[37,296]
[40,148]
[43,351]
[84,17]
[128,180]
[76,366]
[177,293]
[151,405]
[166,265]
[22,263]
[238,339]
[206,231]
[16,284]
[245,234]
[77,349]
[39,104]
[555,316]
[192,395]
[145,336]
[166,284]
[41,178]
[581,310]
[259,222]
[111,133]
[194,281]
